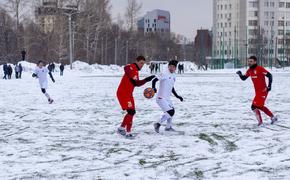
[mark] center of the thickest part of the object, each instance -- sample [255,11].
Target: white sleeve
[160,76]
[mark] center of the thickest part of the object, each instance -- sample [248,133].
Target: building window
[280,32]
[280,23]
[253,4]
[230,6]
[226,6]
[281,4]
[272,4]
[287,5]
[253,23]
[266,23]
[253,13]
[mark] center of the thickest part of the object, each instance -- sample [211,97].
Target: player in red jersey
[125,93]
[258,74]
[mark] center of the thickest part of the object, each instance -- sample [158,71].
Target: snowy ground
[75,137]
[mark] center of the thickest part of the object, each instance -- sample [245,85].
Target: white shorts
[164,104]
[43,85]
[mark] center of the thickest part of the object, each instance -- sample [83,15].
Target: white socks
[47,95]
[166,117]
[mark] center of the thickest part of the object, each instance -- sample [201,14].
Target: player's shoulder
[262,69]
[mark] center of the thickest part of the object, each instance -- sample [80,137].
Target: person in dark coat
[20,71]
[61,68]
[52,67]
[5,71]
[23,54]
[16,69]
[10,71]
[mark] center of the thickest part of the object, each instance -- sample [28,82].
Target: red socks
[127,122]
[258,116]
[267,111]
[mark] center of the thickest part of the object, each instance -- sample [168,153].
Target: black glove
[155,90]
[148,79]
[269,88]
[34,75]
[239,73]
[180,98]
[53,80]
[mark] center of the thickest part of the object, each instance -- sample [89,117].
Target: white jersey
[42,76]
[167,81]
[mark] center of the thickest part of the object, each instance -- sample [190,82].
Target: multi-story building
[46,14]
[251,27]
[155,21]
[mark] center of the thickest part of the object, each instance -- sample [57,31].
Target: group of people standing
[8,71]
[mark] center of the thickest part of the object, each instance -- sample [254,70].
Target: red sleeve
[133,76]
[248,73]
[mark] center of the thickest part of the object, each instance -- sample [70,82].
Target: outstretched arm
[270,77]
[176,95]
[51,77]
[243,77]
[137,82]
[154,84]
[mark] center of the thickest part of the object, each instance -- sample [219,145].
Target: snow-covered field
[75,138]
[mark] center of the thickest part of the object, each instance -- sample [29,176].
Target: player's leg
[169,120]
[168,112]
[127,104]
[257,114]
[50,100]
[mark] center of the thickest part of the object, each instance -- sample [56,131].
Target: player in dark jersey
[258,74]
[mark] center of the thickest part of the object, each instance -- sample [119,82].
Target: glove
[269,88]
[155,90]
[239,73]
[180,98]
[53,80]
[34,75]
[148,79]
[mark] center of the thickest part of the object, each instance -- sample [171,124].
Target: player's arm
[176,95]
[51,77]
[243,77]
[154,84]
[137,82]
[270,77]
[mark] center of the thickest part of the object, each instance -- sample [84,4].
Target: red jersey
[258,77]
[126,87]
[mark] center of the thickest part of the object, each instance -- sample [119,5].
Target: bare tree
[132,12]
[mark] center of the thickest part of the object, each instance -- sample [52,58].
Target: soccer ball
[149,93]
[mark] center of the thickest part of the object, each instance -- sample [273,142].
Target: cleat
[157,127]
[129,136]
[170,129]
[274,119]
[50,101]
[121,131]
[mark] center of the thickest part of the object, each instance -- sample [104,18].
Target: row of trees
[98,38]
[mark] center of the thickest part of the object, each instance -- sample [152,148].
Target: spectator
[20,71]
[61,67]
[10,71]
[5,70]
[23,53]
[17,70]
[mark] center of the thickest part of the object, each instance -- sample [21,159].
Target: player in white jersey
[166,88]
[41,72]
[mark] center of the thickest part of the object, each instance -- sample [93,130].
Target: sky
[187,16]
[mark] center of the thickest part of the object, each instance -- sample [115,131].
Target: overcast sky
[186,15]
